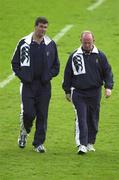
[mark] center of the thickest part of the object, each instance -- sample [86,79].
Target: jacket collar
[95,50]
[28,39]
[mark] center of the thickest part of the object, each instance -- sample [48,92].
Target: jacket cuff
[108,87]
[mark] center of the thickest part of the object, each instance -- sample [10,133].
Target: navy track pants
[87,117]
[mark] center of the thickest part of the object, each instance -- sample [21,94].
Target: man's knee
[29,116]
[28,121]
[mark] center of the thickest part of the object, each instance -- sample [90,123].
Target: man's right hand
[68,97]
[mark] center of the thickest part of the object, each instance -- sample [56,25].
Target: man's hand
[68,97]
[108,93]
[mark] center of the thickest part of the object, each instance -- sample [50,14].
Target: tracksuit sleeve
[107,73]
[68,76]
[24,73]
[51,64]
[16,62]
[56,64]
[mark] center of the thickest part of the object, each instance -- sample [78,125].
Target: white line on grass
[56,39]
[95,5]
[62,32]
[6,81]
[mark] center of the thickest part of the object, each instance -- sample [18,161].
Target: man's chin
[41,35]
[87,51]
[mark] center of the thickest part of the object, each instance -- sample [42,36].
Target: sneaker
[22,140]
[40,149]
[82,149]
[90,147]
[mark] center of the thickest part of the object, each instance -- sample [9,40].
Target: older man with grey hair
[86,71]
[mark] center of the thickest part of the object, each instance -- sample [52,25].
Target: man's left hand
[108,93]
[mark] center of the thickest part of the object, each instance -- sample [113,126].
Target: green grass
[61,161]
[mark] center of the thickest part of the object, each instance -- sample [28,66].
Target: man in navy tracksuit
[86,70]
[35,62]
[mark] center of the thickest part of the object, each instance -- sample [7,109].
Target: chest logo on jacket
[47,53]
[78,65]
[25,55]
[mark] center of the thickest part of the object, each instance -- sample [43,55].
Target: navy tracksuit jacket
[35,65]
[83,77]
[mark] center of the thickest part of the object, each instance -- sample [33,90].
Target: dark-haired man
[35,62]
[86,70]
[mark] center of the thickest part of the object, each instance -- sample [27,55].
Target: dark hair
[41,20]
